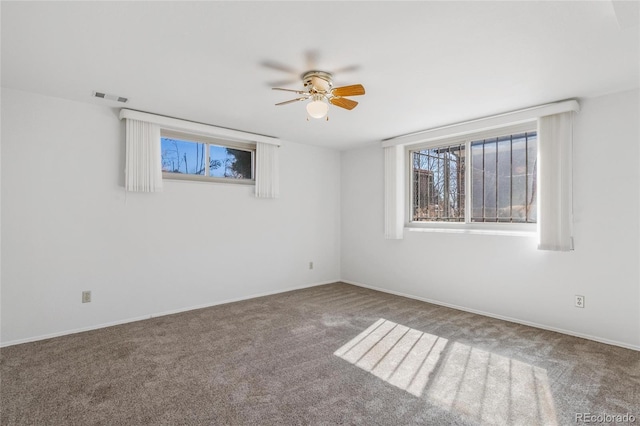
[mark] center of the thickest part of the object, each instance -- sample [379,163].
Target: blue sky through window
[182,157]
[188,157]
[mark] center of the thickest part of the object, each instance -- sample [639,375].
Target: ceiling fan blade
[349,68]
[311,58]
[278,67]
[299,92]
[283,82]
[343,103]
[292,101]
[354,90]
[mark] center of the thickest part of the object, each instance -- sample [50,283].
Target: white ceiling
[423,64]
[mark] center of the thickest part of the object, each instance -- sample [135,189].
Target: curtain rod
[196,126]
[484,123]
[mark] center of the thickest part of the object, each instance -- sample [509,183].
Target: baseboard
[269,293]
[159,314]
[500,317]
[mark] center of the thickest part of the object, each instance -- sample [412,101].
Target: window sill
[198,178]
[520,231]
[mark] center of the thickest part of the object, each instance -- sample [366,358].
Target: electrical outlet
[579,301]
[86,296]
[310,265]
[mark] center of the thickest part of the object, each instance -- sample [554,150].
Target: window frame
[208,141]
[466,225]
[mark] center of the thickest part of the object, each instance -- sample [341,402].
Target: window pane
[477,182]
[229,163]
[179,156]
[504,179]
[490,166]
[532,177]
[519,169]
[438,184]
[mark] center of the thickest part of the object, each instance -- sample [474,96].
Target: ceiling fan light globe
[317,109]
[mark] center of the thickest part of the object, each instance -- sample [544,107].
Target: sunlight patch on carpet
[395,353]
[479,385]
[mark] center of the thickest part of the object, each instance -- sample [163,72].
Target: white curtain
[394,192]
[267,171]
[143,158]
[555,140]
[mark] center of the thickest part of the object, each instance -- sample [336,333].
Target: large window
[199,158]
[477,179]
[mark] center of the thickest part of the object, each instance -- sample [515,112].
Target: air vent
[110,97]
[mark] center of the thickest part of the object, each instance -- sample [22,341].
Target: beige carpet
[333,354]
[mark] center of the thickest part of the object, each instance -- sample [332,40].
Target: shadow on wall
[122,147]
[476,384]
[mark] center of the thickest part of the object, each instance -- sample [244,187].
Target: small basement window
[193,157]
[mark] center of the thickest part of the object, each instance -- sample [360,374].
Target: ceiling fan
[318,87]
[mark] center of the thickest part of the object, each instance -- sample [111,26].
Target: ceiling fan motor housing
[318,81]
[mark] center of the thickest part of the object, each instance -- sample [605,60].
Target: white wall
[68,226]
[507,276]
